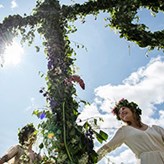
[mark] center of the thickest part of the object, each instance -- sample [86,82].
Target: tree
[64,139]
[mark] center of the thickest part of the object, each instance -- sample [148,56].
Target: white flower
[84,159]
[58,71]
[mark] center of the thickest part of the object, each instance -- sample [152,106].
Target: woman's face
[125,114]
[32,138]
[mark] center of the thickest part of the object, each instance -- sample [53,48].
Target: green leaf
[37,48]
[99,138]
[103,135]
[41,146]
[35,112]
[86,125]
[95,121]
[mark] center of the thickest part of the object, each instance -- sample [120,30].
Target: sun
[13,54]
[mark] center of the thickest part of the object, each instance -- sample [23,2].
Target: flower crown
[125,103]
[24,132]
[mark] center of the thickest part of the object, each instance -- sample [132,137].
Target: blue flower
[42,115]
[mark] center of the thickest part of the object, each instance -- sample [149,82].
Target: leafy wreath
[125,103]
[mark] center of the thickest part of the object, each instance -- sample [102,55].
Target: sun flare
[13,54]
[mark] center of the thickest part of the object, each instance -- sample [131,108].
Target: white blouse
[147,145]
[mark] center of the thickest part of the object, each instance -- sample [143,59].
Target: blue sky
[110,69]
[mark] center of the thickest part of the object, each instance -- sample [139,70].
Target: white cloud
[1,6]
[145,87]
[122,158]
[14,4]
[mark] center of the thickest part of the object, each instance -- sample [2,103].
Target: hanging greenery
[122,16]
[64,139]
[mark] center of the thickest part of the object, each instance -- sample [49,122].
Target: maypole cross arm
[122,15]
[14,25]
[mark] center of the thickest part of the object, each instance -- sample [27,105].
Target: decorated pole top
[122,16]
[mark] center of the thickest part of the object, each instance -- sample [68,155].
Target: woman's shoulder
[157,127]
[124,127]
[14,147]
[17,146]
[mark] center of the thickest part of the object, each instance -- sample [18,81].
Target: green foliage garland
[122,15]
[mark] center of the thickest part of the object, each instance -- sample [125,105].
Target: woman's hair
[132,106]
[24,133]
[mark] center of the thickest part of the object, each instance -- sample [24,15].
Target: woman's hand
[1,162]
[3,159]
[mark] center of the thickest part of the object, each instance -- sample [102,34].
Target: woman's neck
[136,124]
[30,148]
[141,127]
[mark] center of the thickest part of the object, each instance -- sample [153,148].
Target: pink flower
[75,78]
[121,100]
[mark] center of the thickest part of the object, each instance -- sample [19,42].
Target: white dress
[148,145]
[15,152]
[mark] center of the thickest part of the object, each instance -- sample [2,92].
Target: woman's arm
[103,151]
[115,142]
[10,154]
[3,159]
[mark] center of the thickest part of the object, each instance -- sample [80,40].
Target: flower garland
[125,103]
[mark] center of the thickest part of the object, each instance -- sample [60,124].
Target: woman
[23,153]
[146,142]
